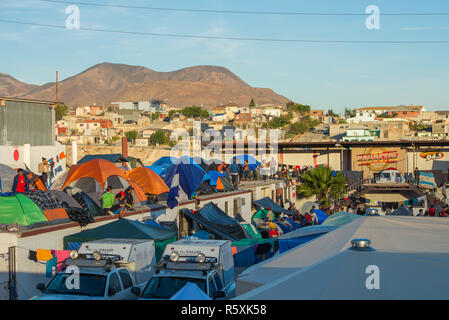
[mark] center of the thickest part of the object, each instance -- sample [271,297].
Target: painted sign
[431,155]
[377,160]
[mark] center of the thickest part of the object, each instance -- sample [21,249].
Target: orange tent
[219,186]
[148,180]
[140,194]
[98,169]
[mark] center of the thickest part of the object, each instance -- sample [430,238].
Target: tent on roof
[148,180]
[7,175]
[214,220]
[21,210]
[123,229]
[402,211]
[165,162]
[252,162]
[65,199]
[114,158]
[190,292]
[266,203]
[321,215]
[183,180]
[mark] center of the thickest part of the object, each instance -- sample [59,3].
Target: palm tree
[322,183]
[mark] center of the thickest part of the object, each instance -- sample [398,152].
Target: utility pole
[56,88]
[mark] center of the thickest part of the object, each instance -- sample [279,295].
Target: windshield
[166,287]
[89,285]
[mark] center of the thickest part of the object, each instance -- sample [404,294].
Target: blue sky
[322,75]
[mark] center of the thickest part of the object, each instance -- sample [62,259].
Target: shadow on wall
[440,165]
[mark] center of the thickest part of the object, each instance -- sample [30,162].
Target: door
[114,285]
[127,283]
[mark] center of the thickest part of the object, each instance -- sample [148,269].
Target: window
[114,283]
[126,278]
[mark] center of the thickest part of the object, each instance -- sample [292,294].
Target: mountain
[106,82]
[11,87]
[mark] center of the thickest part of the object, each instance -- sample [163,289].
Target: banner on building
[427,180]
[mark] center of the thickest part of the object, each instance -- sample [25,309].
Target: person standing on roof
[45,167]
[246,170]
[270,214]
[234,169]
[107,200]
[129,197]
[416,173]
[20,183]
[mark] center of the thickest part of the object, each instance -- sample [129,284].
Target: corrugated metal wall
[26,122]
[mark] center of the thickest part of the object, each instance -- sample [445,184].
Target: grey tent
[402,211]
[325,269]
[7,175]
[64,197]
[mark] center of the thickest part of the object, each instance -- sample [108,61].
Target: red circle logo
[16,155]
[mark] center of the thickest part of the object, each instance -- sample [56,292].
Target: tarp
[98,169]
[267,202]
[114,157]
[56,214]
[148,180]
[252,162]
[190,292]
[321,215]
[7,175]
[154,223]
[287,244]
[307,206]
[253,232]
[340,218]
[124,229]
[183,180]
[64,197]
[20,209]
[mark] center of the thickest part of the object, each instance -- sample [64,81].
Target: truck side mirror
[111,292]
[219,294]
[135,291]
[40,287]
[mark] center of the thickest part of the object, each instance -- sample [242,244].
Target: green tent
[20,209]
[123,229]
[254,233]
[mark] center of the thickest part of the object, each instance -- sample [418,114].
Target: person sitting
[119,208]
[129,197]
[20,183]
[107,200]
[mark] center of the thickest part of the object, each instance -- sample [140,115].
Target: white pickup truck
[107,270]
[207,263]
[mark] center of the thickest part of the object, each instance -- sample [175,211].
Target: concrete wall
[313,158]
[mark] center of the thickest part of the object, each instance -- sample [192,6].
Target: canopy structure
[114,158]
[148,180]
[214,220]
[183,180]
[7,175]
[252,162]
[190,292]
[307,206]
[122,229]
[321,215]
[21,210]
[266,203]
[404,247]
[340,218]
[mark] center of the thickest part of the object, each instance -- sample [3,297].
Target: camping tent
[190,292]
[321,215]
[214,220]
[114,158]
[307,206]
[148,180]
[266,203]
[402,211]
[20,209]
[183,180]
[7,175]
[122,229]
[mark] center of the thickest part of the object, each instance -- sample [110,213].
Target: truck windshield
[166,287]
[92,285]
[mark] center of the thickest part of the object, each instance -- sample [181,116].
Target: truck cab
[207,263]
[104,270]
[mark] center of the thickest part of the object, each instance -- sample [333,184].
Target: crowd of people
[119,203]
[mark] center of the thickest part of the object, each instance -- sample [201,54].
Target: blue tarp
[252,162]
[265,203]
[283,227]
[245,256]
[287,244]
[190,292]
[182,178]
[153,223]
[201,235]
[115,157]
[321,215]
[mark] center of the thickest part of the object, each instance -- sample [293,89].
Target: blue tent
[183,180]
[321,215]
[195,162]
[266,203]
[165,162]
[160,170]
[190,292]
[214,175]
[252,162]
[114,157]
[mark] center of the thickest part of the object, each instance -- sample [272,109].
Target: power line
[245,12]
[229,38]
